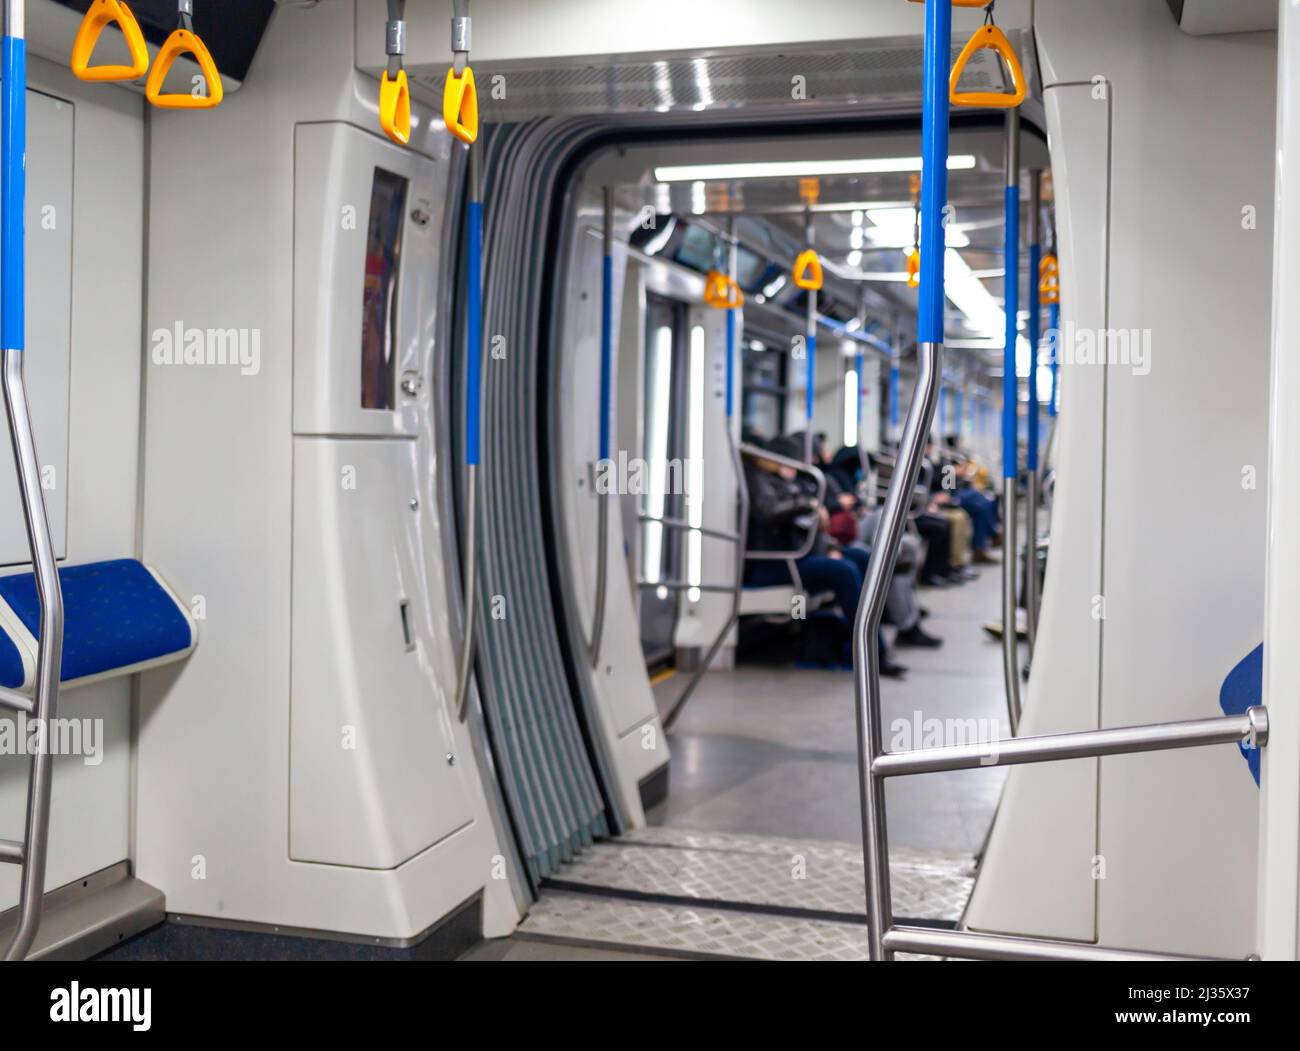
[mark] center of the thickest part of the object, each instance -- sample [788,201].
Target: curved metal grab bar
[473,427]
[606,381]
[32,852]
[759,453]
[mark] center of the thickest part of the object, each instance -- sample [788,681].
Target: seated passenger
[781,514]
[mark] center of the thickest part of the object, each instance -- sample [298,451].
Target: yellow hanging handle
[722,292]
[183,41]
[395,107]
[808,271]
[914,268]
[988,37]
[460,105]
[101,14]
[1049,280]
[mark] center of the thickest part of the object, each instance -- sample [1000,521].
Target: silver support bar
[49,656]
[742,512]
[866,658]
[1010,638]
[11,852]
[967,946]
[682,524]
[16,702]
[683,585]
[757,452]
[1251,727]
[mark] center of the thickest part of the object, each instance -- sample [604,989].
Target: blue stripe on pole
[1010,388]
[13,191]
[934,169]
[1054,329]
[474,334]
[731,363]
[812,375]
[943,410]
[1035,333]
[959,408]
[859,369]
[893,392]
[606,351]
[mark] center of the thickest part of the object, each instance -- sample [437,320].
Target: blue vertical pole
[943,410]
[893,392]
[1054,335]
[1035,334]
[859,369]
[13,187]
[959,408]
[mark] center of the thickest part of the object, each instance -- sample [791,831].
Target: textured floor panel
[788,874]
[695,931]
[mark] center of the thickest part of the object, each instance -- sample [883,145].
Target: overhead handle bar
[31,854]
[100,15]
[808,271]
[988,38]
[184,40]
[459,94]
[722,292]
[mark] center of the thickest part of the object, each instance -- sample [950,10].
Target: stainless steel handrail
[682,524]
[34,848]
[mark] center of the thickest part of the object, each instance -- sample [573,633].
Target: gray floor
[770,752]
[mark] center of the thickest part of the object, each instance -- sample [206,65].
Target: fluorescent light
[896,228]
[983,313]
[695,450]
[801,169]
[851,408]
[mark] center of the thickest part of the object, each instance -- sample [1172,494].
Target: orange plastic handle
[808,271]
[100,15]
[460,105]
[1049,281]
[722,292]
[914,268]
[395,107]
[988,37]
[181,42]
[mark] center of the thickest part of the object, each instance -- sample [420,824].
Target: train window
[379,305]
[764,398]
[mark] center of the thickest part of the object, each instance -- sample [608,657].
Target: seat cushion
[117,616]
[12,673]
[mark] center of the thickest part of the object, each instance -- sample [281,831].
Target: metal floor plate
[799,875]
[758,898]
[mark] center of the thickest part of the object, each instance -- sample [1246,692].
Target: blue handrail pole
[911,450]
[810,348]
[473,413]
[604,451]
[31,854]
[859,369]
[1010,423]
[1032,450]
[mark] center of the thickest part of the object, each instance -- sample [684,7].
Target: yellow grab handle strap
[182,41]
[460,105]
[722,292]
[992,38]
[1049,281]
[98,17]
[808,271]
[914,268]
[395,107]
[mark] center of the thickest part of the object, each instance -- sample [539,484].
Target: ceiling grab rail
[1033,489]
[604,462]
[1011,425]
[394,87]
[30,854]
[460,37]
[893,518]
[184,40]
[739,539]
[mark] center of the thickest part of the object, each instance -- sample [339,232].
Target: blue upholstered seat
[117,618]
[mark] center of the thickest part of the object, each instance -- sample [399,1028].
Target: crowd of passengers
[954,524]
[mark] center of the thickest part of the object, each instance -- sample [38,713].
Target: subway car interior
[520,481]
